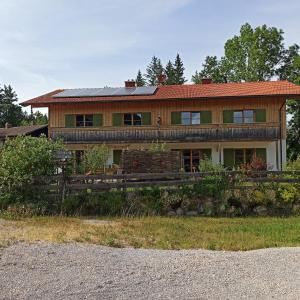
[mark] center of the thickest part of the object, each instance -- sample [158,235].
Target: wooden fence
[60,185]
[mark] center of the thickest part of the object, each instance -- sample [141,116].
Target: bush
[95,158]
[23,159]
[105,203]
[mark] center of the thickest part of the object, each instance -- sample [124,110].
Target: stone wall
[143,161]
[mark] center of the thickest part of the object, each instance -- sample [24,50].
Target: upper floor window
[131,119]
[191,117]
[84,120]
[244,116]
[90,120]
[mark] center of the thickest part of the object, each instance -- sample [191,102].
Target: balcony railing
[178,134]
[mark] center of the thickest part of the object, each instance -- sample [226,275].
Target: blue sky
[50,44]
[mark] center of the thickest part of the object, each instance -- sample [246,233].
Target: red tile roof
[188,91]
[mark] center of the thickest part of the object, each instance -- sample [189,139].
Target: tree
[96,157]
[293,134]
[179,71]
[154,69]
[140,80]
[22,159]
[253,55]
[290,66]
[36,118]
[10,111]
[211,68]
[170,72]
[290,70]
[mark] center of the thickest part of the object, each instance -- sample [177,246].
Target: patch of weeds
[112,242]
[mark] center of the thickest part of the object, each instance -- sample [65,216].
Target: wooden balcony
[167,134]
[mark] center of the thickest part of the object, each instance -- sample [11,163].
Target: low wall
[143,161]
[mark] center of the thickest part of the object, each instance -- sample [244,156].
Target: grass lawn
[158,232]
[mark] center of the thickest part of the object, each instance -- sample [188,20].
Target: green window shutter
[227,116]
[117,119]
[205,117]
[97,120]
[228,157]
[146,118]
[69,121]
[175,117]
[260,115]
[262,153]
[206,153]
[117,157]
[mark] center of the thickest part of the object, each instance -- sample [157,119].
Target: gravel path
[79,271]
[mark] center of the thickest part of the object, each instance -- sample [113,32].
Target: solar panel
[98,92]
[124,91]
[145,90]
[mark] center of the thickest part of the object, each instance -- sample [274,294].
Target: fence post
[62,183]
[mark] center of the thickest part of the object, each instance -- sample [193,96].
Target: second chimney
[206,80]
[130,83]
[161,78]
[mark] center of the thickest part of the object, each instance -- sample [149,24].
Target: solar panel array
[100,92]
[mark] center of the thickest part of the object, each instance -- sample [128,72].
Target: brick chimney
[130,83]
[206,80]
[8,125]
[161,79]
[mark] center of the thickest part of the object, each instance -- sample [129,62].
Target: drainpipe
[280,133]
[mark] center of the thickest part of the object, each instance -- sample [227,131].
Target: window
[90,120]
[246,116]
[238,117]
[131,119]
[195,118]
[185,118]
[237,157]
[191,117]
[84,120]
[191,158]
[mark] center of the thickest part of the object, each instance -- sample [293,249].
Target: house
[32,130]
[229,122]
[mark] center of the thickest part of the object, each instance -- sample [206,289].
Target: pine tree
[140,80]
[179,71]
[170,72]
[10,111]
[154,69]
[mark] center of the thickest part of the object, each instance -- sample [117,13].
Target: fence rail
[60,185]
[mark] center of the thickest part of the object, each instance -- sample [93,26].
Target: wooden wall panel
[57,112]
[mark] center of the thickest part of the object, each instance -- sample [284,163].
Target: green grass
[159,232]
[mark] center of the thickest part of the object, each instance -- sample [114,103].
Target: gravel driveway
[79,271]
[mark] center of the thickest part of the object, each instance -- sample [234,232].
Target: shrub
[105,203]
[23,159]
[95,158]
[19,211]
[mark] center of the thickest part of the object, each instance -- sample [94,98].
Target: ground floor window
[190,158]
[237,157]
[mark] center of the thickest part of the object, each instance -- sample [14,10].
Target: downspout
[280,133]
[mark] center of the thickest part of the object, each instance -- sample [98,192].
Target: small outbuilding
[32,130]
